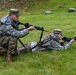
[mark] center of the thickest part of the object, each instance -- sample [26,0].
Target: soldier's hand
[31,28]
[71,41]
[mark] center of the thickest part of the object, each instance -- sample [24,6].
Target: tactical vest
[45,39]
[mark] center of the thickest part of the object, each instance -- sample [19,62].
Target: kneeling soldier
[10,31]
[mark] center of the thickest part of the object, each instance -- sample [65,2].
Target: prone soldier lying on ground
[49,42]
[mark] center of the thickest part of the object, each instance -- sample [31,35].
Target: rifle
[65,39]
[27,25]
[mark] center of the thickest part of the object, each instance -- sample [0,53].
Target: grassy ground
[46,62]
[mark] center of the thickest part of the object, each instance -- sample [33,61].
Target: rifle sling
[39,39]
[18,38]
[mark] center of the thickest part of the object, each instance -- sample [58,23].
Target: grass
[53,62]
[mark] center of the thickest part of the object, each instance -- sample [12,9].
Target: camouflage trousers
[21,49]
[8,44]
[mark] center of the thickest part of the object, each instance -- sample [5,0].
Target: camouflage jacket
[50,42]
[6,28]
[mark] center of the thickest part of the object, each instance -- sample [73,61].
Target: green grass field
[61,62]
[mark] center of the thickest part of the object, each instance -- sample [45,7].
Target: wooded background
[5,4]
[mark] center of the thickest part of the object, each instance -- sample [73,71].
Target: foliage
[37,6]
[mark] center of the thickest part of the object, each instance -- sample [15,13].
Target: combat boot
[8,57]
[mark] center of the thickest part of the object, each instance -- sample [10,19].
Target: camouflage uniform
[9,35]
[50,42]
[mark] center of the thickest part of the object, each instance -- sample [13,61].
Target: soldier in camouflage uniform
[10,31]
[50,42]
